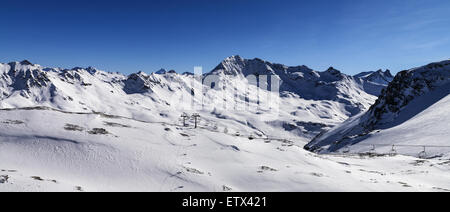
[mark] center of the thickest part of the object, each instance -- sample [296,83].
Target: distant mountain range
[309,98]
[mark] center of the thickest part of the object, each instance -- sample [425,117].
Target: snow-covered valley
[82,129]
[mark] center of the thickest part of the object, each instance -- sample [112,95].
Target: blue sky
[129,36]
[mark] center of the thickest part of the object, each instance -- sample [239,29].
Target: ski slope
[48,150]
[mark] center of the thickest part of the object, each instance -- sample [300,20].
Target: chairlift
[346,150]
[423,154]
[196,117]
[372,150]
[184,116]
[393,151]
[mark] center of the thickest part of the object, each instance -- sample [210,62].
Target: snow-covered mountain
[375,81]
[310,101]
[303,81]
[378,77]
[413,111]
[83,129]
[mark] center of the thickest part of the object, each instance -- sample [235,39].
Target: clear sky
[129,36]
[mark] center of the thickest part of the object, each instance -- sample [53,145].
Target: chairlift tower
[196,116]
[185,117]
[423,154]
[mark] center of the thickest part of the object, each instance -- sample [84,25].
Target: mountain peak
[234,57]
[141,73]
[378,77]
[25,62]
[388,73]
[333,70]
[91,70]
[161,71]
[259,60]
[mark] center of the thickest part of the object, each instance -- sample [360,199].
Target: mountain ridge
[307,98]
[412,94]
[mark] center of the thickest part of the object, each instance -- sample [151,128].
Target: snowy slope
[411,113]
[47,150]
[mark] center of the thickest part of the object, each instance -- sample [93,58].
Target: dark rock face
[26,62]
[70,76]
[161,71]
[137,83]
[25,79]
[406,86]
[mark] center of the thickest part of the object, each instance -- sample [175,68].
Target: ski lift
[184,116]
[196,117]
[393,151]
[372,150]
[423,154]
[346,150]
